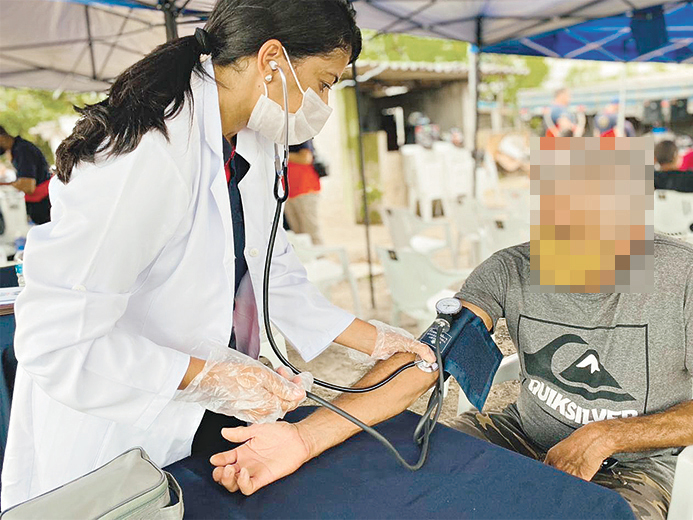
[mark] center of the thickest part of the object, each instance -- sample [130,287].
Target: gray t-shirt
[589,357]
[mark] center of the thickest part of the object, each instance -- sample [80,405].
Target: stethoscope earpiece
[273,65]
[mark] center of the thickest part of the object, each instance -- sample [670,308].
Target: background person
[671,174]
[33,175]
[301,209]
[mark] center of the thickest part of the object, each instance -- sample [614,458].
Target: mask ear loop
[281,165]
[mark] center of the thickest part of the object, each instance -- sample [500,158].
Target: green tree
[22,108]
[403,47]
[537,70]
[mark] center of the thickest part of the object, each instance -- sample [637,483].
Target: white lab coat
[133,275]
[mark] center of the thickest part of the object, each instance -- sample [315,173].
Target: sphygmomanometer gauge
[448,307]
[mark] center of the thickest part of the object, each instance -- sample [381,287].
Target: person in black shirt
[670,175]
[33,175]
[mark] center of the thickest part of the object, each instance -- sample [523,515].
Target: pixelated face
[592,230]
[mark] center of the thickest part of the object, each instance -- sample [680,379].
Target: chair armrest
[509,369]
[333,250]
[681,505]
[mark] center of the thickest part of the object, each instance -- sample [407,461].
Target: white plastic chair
[266,350]
[423,174]
[458,170]
[13,210]
[322,271]
[406,232]
[681,505]
[468,227]
[502,233]
[673,214]
[416,284]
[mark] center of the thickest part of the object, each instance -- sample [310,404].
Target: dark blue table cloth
[463,478]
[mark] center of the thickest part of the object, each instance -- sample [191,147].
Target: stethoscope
[430,417]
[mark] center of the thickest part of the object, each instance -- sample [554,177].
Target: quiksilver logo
[586,376]
[571,410]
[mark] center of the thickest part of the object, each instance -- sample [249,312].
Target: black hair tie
[204,41]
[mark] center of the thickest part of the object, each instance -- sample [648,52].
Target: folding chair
[406,232]
[322,271]
[416,284]
[673,214]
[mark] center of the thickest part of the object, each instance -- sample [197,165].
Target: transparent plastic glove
[391,340]
[234,384]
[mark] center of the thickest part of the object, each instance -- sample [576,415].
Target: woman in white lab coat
[154,258]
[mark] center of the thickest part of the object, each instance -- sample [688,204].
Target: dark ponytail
[156,87]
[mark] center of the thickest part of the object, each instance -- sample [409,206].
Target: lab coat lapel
[211,125]
[256,184]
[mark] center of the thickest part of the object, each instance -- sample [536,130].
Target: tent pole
[364,192]
[169,19]
[621,125]
[475,74]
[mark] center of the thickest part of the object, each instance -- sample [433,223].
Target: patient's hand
[581,454]
[270,451]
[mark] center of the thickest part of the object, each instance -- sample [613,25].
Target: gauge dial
[449,306]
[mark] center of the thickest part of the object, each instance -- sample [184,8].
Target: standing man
[33,175]
[301,209]
[559,120]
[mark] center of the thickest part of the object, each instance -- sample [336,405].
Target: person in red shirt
[301,209]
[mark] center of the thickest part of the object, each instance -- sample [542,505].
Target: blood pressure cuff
[469,355]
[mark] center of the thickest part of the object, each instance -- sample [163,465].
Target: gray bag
[130,487]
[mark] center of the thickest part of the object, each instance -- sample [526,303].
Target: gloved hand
[391,340]
[234,384]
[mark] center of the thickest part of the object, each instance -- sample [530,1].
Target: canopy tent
[488,22]
[76,46]
[83,47]
[611,39]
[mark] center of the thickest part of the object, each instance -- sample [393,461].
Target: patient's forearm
[324,429]
[668,429]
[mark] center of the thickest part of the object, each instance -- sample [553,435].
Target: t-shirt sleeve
[486,287]
[27,164]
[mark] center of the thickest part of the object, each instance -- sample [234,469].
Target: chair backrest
[409,276]
[423,171]
[397,222]
[504,233]
[403,225]
[302,244]
[465,212]
[673,213]
[457,170]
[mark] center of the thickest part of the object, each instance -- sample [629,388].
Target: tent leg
[474,77]
[362,171]
[169,19]
[621,125]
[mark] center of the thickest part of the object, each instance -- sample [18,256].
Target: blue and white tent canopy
[609,39]
[80,46]
[84,44]
[489,22]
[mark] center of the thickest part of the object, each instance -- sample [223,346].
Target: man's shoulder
[672,251]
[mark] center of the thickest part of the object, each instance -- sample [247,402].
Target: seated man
[671,175]
[605,371]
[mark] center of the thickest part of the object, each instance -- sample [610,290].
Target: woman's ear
[271,51]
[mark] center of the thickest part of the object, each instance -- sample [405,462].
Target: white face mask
[267,117]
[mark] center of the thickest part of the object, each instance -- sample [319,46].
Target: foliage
[403,47]
[22,108]
[537,69]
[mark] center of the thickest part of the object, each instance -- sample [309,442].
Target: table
[463,478]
